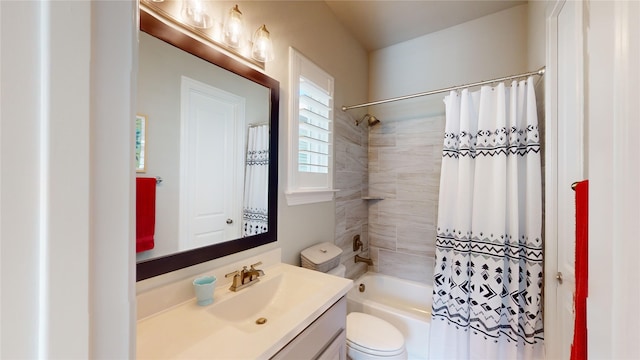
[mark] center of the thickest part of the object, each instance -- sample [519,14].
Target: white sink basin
[288,297]
[269,298]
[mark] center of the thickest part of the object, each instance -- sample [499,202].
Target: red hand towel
[579,346]
[145,213]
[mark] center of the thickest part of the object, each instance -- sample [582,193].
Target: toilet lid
[372,335]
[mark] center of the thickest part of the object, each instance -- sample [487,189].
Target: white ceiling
[381,23]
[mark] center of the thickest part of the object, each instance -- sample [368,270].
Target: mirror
[253,97]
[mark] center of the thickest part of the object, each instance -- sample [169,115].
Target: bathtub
[403,303]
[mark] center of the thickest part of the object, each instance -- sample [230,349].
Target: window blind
[314,131]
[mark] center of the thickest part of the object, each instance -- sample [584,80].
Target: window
[310,177]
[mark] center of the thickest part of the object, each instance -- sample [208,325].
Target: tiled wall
[404,169]
[351,177]
[398,161]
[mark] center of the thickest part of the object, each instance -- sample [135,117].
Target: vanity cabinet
[324,339]
[306,315]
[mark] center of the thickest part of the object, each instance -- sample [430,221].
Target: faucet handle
[233,273]
[237,279]
[257,272]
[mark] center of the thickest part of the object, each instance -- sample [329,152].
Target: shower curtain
[488,276]
[256,182]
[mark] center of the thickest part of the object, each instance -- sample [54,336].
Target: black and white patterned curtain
[487,301]
[256,183]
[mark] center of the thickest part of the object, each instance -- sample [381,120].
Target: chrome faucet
[245,277]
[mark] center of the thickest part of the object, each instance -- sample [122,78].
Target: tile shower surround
[351,177]
[399,161]
[404,168]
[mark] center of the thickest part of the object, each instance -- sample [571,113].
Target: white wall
[537,49]
[67,178]
[481,49]
[19,192]
[114,56]
[536,33]
[613,43]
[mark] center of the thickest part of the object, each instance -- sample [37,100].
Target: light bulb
[262,49]
[233,28]
[194,13]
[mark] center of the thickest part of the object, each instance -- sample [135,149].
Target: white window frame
[302,188]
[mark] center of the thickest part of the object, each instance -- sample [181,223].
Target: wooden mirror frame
[161,265]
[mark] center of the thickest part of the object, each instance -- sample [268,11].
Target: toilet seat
[373,336]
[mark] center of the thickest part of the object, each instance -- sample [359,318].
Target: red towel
[145,213]
[579,346]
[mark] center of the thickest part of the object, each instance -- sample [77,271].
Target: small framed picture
[141,139]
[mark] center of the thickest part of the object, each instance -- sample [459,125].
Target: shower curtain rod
[539,72]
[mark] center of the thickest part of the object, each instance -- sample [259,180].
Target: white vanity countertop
[290,297]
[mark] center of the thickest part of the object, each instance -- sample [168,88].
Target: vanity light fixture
[233,28]
[228,33]
[194,13]
[262,48]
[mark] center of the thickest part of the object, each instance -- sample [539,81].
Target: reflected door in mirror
[211,164]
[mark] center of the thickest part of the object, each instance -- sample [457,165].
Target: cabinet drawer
[320,338]
[337,349]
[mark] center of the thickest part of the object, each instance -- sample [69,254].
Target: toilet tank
[321,257]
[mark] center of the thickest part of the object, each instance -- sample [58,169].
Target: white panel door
[211,179]
[565,159]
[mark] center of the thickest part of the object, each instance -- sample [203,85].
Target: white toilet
[369,337]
